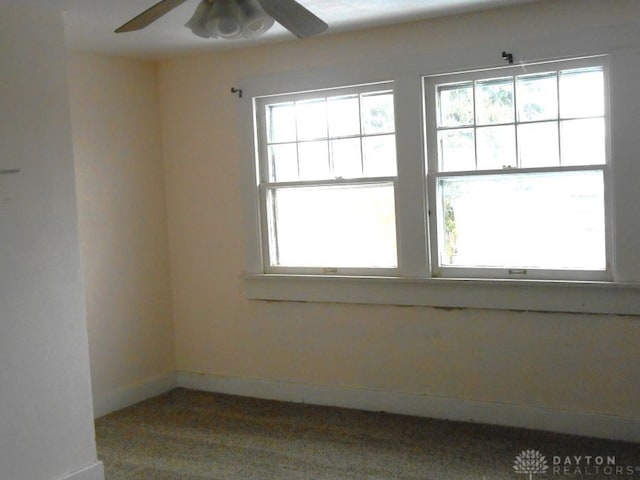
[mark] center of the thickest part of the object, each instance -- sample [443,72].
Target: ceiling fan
[232,19]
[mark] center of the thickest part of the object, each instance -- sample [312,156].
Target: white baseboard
[92,472]
[126,396]
[538,418]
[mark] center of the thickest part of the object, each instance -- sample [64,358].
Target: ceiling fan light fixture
[224,20]
[235,18]
[253,19]
[197,22]
[229,19]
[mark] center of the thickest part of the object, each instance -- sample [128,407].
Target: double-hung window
[327,180]
[518,171]
[517,182]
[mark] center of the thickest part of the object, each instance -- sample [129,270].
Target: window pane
[379,156]
[537,97]
[457,150]
[496,147]
[344,116]
[538,145]
[582,93]
[312,119]
[550,220]
[337,226]
[314,160]
[347,158]
[377,113]
[281,122]
[326,139]
[583,142]
[494,101]
[455,105]
[283,162]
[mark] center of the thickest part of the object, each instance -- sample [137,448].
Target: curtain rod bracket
[508,57]
[237,90]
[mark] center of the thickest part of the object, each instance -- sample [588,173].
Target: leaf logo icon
[530,462]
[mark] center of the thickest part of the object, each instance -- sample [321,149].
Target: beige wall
[581,363]
[122,220]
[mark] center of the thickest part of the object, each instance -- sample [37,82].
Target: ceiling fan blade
[150,15]
[294,17]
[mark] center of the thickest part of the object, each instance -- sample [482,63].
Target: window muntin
[327,163]
[334,136]
[522,121]
[517,171]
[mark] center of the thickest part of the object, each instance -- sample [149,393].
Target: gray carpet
[187,434]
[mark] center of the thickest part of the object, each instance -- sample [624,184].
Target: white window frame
[433,174]
[414,284]
[264,183]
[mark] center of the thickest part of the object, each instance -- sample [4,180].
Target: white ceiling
[90,23]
